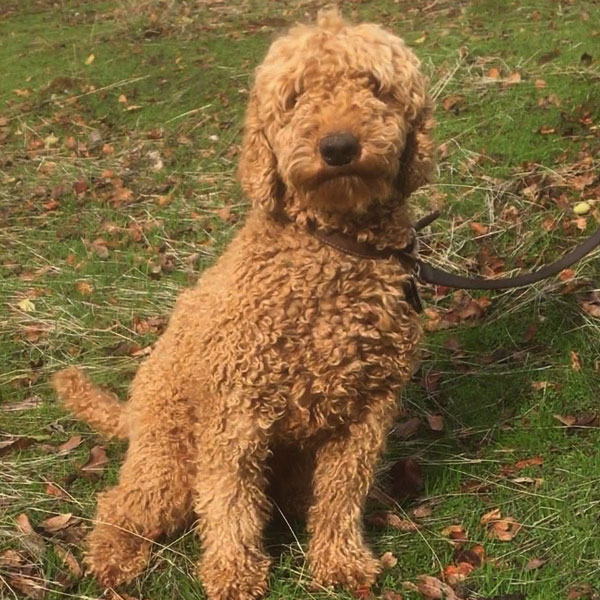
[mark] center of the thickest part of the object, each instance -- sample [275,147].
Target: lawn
[120,127]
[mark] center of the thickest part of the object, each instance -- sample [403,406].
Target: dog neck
[383,225]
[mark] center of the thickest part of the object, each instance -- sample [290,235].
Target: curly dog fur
[277,377]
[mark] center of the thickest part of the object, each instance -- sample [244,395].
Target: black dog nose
[339,149]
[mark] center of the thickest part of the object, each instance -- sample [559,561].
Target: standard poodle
[278,375]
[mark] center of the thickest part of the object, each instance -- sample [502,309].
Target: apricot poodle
[277,377]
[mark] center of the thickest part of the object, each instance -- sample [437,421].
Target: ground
[120,129]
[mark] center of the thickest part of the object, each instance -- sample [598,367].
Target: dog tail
[101,409]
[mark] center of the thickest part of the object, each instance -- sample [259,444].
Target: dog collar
[427,273]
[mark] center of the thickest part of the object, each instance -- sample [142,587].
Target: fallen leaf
[69,560]
[540,84]
[543,385]
[452,102]
[494,73]
[529,462]
[575,361]
[436,422]
[455,574]
[28,538]
[96,462]
[407,479]
[388,560]
[391,595]
[26,305]
[421,512]
[456,534]
[28,586]
[389,519]
[492,515]
[58,522]
[434,589]
[54,490]
[566,274]
[84,288]
[512,79]
[546,130]
[16,443]
[591,308]
[478,228]
[504,530]
[70,444]
[80,186]
[474,555]
[535,563]
[90,59]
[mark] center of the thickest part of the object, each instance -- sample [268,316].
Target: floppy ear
[258,165]
[417,160]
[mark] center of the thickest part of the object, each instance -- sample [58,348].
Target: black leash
[429,274]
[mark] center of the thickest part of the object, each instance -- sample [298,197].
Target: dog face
[339,118]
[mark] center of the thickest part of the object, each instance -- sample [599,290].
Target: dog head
[339,118]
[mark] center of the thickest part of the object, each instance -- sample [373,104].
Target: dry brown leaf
[575,361]
[492,515]
[513,78]
[28,538]
[434,589]
[70,444]
[475,555]
[96,461]
[456,534]
[15,443]
[69,560]
[54,490]
[421,512]
[543,385]
[535,563]
[436,422]
[29,587]
[592,309]
[58,522]
[390,519]
[84,288]
[407,429]
[494,73]
[407,478]
[391,595]
[451,102]
[478,228]
[529,462]
[388,560]
[504,530]
[11,558]
[455,574]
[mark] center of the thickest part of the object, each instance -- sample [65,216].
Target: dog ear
[417,160]
[258,165]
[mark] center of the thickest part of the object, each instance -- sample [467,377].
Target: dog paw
[115,556]
[245,579]
[349,568]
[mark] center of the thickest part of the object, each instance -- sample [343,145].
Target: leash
[427,273]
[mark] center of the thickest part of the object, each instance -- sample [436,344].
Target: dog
[277,377]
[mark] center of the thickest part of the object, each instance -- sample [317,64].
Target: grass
[118,188]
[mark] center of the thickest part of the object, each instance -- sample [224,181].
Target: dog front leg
[232,507]
[338,554]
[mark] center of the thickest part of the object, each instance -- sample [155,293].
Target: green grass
[99,264]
